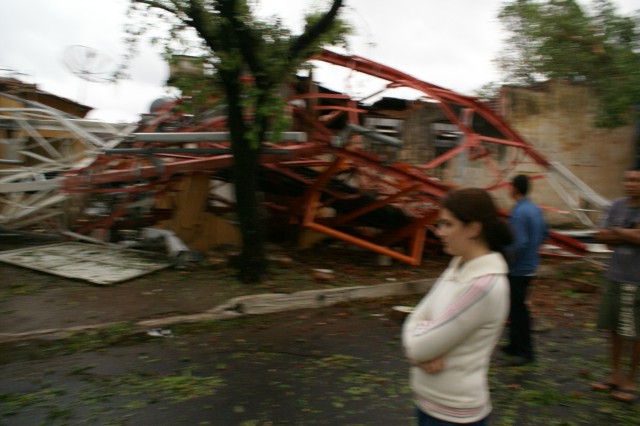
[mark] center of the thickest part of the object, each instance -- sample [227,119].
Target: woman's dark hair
[476,205]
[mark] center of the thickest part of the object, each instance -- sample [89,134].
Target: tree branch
[310,34]
[194,16]
[158,5]
[248,42]
[199,16]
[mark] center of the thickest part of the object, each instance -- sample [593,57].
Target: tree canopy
[559,39]
[226,37]
[248,61]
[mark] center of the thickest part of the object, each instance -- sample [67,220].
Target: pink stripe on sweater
[476,291]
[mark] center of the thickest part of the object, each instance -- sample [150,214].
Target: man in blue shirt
[529,231]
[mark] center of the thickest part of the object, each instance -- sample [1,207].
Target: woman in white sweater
[450,336]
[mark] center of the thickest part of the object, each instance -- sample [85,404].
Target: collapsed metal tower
[330,174]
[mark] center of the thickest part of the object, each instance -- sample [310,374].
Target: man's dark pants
[520,341]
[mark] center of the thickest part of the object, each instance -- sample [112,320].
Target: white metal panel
[89,262]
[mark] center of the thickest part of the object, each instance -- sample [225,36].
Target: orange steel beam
[182,166]
[416,233]
[416,246]
[305,180]
[400,173]
[147,172]
[373,206]
[353,112]
[108,221]
[567,243]
[445,157]
[441,94]
[363,243]
[396,237]
[447,97]
[322,133]
[401,178]
[311,197]
[339,108]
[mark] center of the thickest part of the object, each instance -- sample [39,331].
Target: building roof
[31,92]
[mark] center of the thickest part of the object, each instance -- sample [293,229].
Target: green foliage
[96,339]
[249,61]
[488,91]
[13,403]
[174,388]
[558,39]
[336,35]
[242,45]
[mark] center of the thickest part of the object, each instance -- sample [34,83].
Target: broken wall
[418,133]
[556,118]
[429,134]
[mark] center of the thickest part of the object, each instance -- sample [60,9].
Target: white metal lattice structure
[575,193]
[36,145]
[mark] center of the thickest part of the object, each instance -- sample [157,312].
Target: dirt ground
[31,300]
[340,365]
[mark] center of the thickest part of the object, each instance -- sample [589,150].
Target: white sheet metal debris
[89,262]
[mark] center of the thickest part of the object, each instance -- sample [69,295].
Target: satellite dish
[87,63]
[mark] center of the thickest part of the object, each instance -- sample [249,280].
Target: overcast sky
[448,43]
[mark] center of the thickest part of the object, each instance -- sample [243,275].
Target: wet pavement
[336,365]
[340,365]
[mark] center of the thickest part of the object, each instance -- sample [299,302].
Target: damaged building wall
[419,130]
[557,118]
[427,134]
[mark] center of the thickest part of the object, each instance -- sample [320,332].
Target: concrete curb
[245,305]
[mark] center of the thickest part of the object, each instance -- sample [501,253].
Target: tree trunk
[251,264]
[240,48]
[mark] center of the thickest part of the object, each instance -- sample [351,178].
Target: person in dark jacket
[529,230]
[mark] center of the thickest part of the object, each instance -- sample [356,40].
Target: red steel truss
[321,183]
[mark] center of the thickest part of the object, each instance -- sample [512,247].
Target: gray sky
[448,43]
